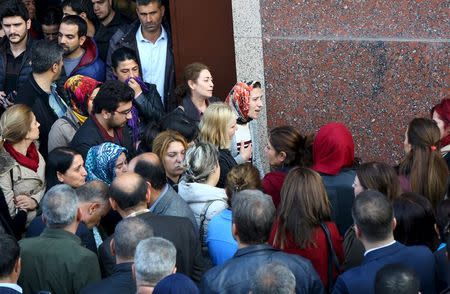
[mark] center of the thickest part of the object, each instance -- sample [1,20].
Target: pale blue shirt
[153,59]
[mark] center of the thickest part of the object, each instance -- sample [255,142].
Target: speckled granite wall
[373,65]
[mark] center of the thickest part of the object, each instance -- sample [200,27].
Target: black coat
[120,282]
[32,95]
[178,230]
[149,105]
[89,135]
[226,163]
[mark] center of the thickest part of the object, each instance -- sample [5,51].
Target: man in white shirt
[152,44]
[9,265]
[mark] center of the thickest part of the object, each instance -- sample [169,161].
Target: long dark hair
[424,166]
[381,177]
[415,221]
[304,205]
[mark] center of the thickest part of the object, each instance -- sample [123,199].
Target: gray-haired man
[55,261]
[154,260]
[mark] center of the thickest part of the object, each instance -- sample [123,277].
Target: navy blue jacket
[361,279]
[236,275]
[120,282]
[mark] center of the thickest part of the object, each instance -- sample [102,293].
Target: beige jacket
[25,181]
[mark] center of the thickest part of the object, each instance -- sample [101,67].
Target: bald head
[148,157]
[148,165]
[128,190]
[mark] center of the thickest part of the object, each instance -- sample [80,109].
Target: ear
[28,24]
[133,271]
[113,204]
[394,224]
[174,270]
[282,155]
[59,177]
[112,246]
[82,40]
[18,266]
[163,9]
[105,114]
[234,232]
[79,216]
[55,67]
[191,84]
[148,195]
[357,232]
[93,207]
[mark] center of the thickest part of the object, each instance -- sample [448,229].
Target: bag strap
[202,220]
[332,258]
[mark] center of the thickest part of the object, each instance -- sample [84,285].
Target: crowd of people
[115,180]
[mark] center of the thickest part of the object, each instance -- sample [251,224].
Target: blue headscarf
[101,161]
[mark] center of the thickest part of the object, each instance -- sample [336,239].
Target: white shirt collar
[140,37]
[12,286]
[373,249]
[136,213]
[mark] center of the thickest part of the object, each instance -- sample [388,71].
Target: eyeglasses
[124,112]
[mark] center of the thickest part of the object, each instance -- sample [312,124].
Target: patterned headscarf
[80,90]
[101,161]
[239,100]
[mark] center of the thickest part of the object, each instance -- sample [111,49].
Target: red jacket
[272,183]
[317,255]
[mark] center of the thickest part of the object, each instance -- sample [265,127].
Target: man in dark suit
[164,200]
[9,265]
[129,232]
[374,225]
[129,197]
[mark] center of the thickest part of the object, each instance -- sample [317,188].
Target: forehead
[204,74]
[50,28]
[124,106]
[127,64]
[100,2]
[69,10]
[69,29]
[8,20]
[151,7]
[256,92]
[175,146]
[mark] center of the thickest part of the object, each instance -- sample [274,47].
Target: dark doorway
[202,31]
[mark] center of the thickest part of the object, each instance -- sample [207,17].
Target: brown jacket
[25,181]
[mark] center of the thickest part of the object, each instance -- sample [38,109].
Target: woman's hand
[135,86]
[25,202]
[246,152]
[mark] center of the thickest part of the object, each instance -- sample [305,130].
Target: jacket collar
[383,252]
[60,234]
[164,199]
[254,249]
[124,267]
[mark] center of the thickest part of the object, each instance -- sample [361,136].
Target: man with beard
[39,90]
[110,22]
[80,51]
[15,50]
[153,46]
[111,112]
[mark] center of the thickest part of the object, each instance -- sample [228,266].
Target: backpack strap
[202,221]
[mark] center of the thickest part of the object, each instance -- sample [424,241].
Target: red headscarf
[443,110]
[333,149]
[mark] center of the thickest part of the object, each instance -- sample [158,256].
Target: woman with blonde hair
[22,172]
[217,127]
[170,147]
[304,221]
